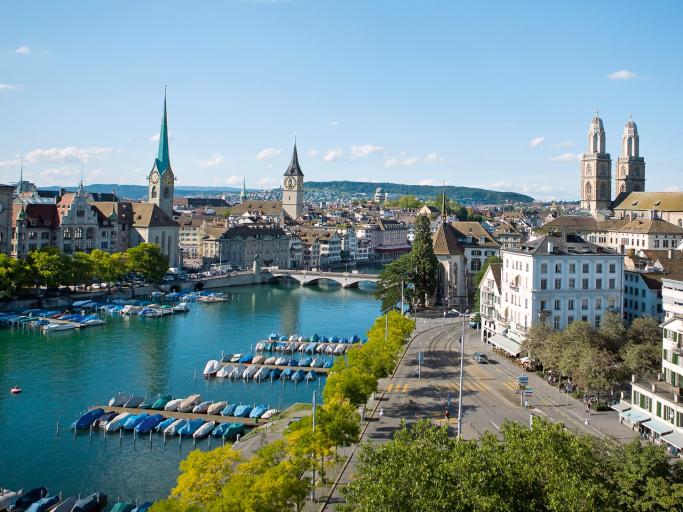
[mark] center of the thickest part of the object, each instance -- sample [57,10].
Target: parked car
[480,358]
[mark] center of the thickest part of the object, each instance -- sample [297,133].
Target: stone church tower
[596,175]
[293,189]
[630,166]
[161,179]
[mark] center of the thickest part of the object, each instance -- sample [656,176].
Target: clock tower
[161,180]
[293,189]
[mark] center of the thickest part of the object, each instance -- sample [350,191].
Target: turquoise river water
[61,374]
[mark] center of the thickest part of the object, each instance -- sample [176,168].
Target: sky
[488,94]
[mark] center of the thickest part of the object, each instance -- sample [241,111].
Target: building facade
[596,171]
[293,188]
[630,165]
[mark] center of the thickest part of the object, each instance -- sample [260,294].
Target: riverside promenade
[489,398]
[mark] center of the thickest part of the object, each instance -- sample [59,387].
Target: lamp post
[462,370]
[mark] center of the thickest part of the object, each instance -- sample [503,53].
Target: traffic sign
[528,391]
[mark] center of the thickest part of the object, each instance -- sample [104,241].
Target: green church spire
[163,160]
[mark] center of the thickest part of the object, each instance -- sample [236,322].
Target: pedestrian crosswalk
[396,388]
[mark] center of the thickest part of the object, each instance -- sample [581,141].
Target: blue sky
[492,94]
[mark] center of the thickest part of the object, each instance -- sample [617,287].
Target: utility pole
[462,371]
[402,298]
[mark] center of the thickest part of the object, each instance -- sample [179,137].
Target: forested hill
[460,194]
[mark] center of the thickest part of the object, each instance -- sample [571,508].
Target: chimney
[551,248]
[654,387]
[633,377]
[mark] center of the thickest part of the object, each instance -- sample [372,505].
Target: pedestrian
[448,416]
[526,403]
[381,413]
[587,421]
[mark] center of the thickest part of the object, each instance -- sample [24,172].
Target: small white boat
[270,413]
[130,309]
[258,359]
[188,403]
[115,424]
[262,373]
[224,371]
[204,430]
[270,360]
[340,349]
[280,361]
[235,358]
[181,307]
[302,348]
[173,427]
[53,327]
[235,373]
[249,372]
[7,498]
[94,321]
[317,362]
[320,348]
[212,367]
[216,407]
[202,408]
[259,346]
[119,399]
[329,349]
[173,404]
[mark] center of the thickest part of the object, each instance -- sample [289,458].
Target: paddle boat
[15,390]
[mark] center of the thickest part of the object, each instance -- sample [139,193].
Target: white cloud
[536,141]
[365,150]
[334,123]
[214,161]
[234,180]
[7,87]
[402,160]
[434,157]
[23,50]
[427,182]
[312,153]
[333,154]
[566,157]
[622,74]
[536,190]
[268,153]
[68,154]
[564,144]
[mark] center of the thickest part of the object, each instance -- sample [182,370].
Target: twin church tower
[596,168]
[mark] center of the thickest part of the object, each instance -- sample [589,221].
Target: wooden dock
[183,415]
[316,369]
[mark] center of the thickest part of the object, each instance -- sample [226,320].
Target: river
[61,374]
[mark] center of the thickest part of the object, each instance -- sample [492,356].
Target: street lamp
[462,370]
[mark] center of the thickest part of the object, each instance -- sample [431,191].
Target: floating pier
[316,369]
[180,415]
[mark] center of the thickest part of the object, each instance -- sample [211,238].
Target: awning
[510,346]
[633,416]
[658,426]
[675,439]
[621,406]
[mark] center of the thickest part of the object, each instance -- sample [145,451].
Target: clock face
[289,183]
[154,178]
[168,178]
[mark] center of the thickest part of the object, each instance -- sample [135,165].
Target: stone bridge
[306,277]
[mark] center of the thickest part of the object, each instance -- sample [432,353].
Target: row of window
[585,268]
[585,284]
[572,304]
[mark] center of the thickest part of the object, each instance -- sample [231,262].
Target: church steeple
[293,188]
[163,161]
[596,171]
[630,165]
[294,169]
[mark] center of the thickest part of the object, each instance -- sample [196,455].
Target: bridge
[306,277]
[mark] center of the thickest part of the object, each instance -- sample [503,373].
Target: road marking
[497,427]
[405,387]
[390,387]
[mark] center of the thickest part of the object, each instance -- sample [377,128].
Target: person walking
[381,413]
[448,416]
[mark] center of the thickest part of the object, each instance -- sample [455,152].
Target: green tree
[612,332]
[644,360]
[49,267]
[644,331]
[78,269]
[535,341]
[424,261]
[395,275]
[14,275]
[340,422]
[148,261]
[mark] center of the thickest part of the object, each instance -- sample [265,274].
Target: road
[489,394]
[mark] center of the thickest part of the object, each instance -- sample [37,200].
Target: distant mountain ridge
[341,188]
[460,194]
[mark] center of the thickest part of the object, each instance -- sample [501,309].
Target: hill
[461,194]
[140,191]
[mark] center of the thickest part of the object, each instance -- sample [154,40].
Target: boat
[327,364]
[102,421]
[172,405]
[282,361]
[246,358]
[93,503]
[235,373]
[43,504]
[262,373]
[87,419]
[229,410]
[15,390]
[92,320]
[173,428]
[270,360]
[130,309]
[233,430]
[339,349]
[65,505]
[122,507]
[148,423]
[161,402]
[235,358]
[310,348]
[275,373]
[212,367]
[294,362]
[258,411]
[7,498]
[242,411]
[202,407]
[164,424]
[224,372]
[54,327]
[258,359]
[249,372]
[305,361]
[297,375]
[310,376]
[147,402]
[181,307]
[116,423]
[320,348]
[119,399]
[29,498]
[134,420]
[216,407]
[329,349]
[220,429]
[188,403]
[317,363]
[286,373]
[134,401]
[259,346]
[143,507]
[190,427]
[204,430]
[269,414]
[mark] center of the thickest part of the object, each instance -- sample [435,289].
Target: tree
[78,269]
[424,261]
[14,274]
[397,274]
[644,360]
[49,266]
[340,422]
[148,260]
[535,341]
[644,331]
[612,332]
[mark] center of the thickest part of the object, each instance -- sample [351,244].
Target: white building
[555,280]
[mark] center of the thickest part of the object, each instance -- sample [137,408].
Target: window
[570,319]
[544,268]
[45,235]
[598,284]
[665,243]
[78,233]
[475,264]
[80,212]
[584,318]
[598,268]
[612,284]
[570,304]
[543,305]
[597,320]
[557,305]
[611,303]
[32,235]
[556,323]
[584,284]
[598,303]
[656,244]
[89,233]
[584,304]
[585,268]
[572,268]
[572,283]
[558,284]
[558,268]
[544,284]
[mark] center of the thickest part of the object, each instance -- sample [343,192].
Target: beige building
[242,245]
[152,225]
[667,206]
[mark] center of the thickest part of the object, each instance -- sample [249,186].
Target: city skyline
[377,92]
